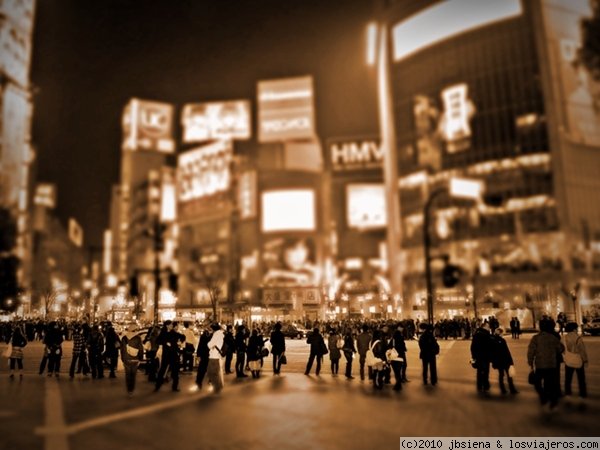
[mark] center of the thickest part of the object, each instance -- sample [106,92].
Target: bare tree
[209,273]
[49,298]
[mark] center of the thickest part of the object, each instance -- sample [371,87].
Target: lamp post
[458,187]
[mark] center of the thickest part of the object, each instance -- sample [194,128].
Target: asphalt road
[287,411]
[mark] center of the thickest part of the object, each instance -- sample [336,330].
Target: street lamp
[460,188]
[377,53]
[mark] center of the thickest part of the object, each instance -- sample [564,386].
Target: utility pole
[158,245]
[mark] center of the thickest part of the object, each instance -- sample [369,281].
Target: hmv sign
[355,154]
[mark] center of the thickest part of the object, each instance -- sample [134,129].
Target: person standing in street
[79,357]
[362,342]
[277,347]
[502,362]
[215,346]
[113,344]
[189,348]
[574,343]
[241,346]
[482,348]
[397,343]
[317,350]
[334,343]
[53,341]
[151,345]
[170,356]
[230,348]
[18,342]
[543,355]
[349,351]
[132,351]
[202,352]
[429,349]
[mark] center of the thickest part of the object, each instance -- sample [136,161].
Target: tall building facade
[493,92]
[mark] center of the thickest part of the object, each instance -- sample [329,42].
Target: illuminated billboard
[216,120]
[355,154]
[290,262]
[148,125]
[580,92]
[285,109]
[204,171]
[365,206]
[288,210]
[45,195]
[447,19]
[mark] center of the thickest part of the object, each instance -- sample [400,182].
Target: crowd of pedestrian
[379,346]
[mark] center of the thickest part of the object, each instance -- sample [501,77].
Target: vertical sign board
[216,120]
[75,232]
[148,125]
[203,176]
[286,109]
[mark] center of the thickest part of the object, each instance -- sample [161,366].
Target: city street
[288,411]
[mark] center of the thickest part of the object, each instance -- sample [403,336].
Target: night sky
[91,56]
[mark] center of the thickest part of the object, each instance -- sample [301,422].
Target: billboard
[202,173]
[286,109]
[447,19]
[365,206]
[75,232]
[45,195]
[290,262]
[148,125]
[580,92]
[216,120]
[288,210]
[355,154]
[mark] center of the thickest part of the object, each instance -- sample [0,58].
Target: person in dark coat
[334,350]
[501,361]
[482,349]
[397,343]
[230,343]
[111,352]
[277,347]
[349,350]
[240,348]
[317,350]
[379,345]
[429,349]
[53,340]
[151,342]
[132,352]
[172,349]
[95,347]
[254,353]
[202,352]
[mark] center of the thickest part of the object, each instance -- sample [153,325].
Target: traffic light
[134,289]
[9,285]
[451,275]
[173,282]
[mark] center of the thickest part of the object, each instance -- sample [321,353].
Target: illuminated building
[489,90]
[16,154]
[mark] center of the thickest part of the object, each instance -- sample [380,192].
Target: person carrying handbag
[575,358]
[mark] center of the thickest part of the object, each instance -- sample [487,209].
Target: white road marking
[445,349]
[55,436]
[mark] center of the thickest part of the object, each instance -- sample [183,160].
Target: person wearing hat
[215,346]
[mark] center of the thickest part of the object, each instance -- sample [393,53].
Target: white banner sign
[216,120]
[148,126]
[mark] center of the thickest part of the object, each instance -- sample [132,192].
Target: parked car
[592,327]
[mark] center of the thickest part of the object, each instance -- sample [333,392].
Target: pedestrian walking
[132,351]
[334,344]
[171,352]
[317,350]
[428,351]
[502,361]
[349,350]
[378,347]
[95,350]
[18,343]
[543,355]
[215,346]
[189,347]
[576,360]
[362,343]
[79,355]
[482,348]
[277,347]
[112,344]
[152,345]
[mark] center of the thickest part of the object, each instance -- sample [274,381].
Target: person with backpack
[334,344]
[577,363]
[429,349]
